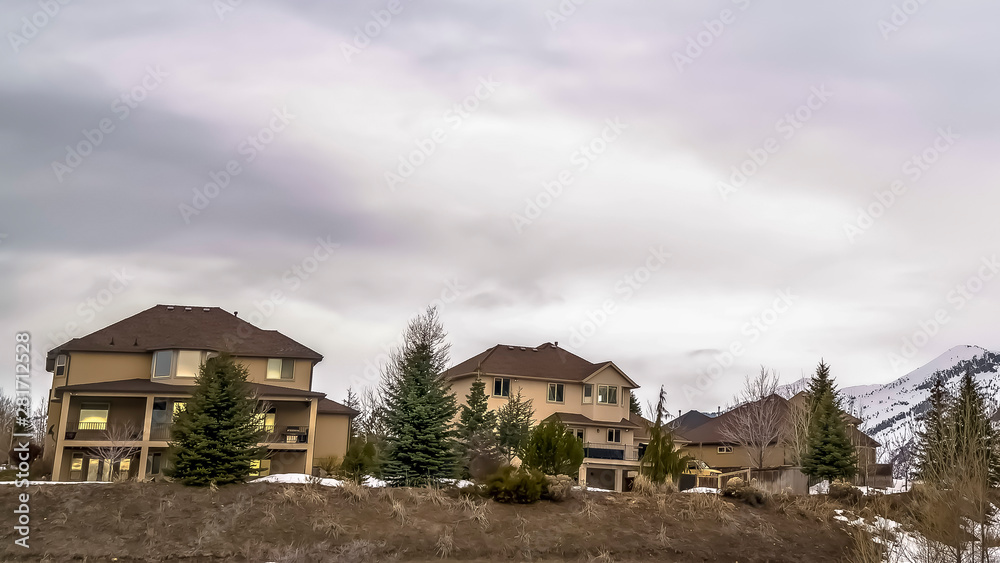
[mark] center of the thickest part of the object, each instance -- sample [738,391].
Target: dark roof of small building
[326,406]
[166,327]
[146,386]
[546,361]
[688,421]
[576,418]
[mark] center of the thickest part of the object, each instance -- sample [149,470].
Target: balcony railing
[286,435]
[610,451]
[160,431]
[102,431]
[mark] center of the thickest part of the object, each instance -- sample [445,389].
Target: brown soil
[285,523]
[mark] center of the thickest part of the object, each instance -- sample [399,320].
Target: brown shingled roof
[146,386]
[196,328]
[541,362]
[576,418]
[326,406]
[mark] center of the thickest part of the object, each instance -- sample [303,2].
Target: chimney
[236,313]
[555,344]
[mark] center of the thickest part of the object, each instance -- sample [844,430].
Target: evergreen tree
[662,459]
[553,449]
[830,455]
[934,439]
[514,426]
[361,458]
[477,433]
[633,404]
[974,439]
[476,416]
[419,406]
[354,402]
[215,437]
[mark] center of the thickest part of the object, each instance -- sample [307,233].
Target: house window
[260,467]
[163,363]
[76,467]
[278,368]
[555,393]
[179,407]
[614,435]
[93,416]
[501,387]
[725,449]
[266,420]
[579,434]
[153,463]
[588,393]
[607,395]
[124,465]
[188,363]
[61,365]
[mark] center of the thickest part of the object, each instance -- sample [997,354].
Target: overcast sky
[652,183]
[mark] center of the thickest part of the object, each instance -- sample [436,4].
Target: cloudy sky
[689,189]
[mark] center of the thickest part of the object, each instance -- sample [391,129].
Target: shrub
[645,486]
[844,491]
[327,465]
[749,493]
[515,485]
[554,449]
[557,488]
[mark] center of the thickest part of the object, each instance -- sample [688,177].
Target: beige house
[704,437]
[115,391]
[592,399]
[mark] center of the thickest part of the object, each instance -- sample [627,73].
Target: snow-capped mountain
[890,412]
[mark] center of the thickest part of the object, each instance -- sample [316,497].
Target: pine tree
[974,438]
[934,439]
[514,426]
[633,404]
[830,455]
[354,402]
[477,432]
[419,406]
[476,416]
[553,449]
[662,459]
[215,438]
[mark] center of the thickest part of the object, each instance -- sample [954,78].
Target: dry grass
[355,492]
[603,556]
[643,486]
[276,522]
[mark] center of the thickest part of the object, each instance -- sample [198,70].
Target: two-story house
[115,391]
[592,399]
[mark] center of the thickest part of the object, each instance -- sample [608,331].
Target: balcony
[618,452]
[103,431]
[286,434]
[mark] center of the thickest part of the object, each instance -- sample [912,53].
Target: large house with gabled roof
[592,399]
[117,389]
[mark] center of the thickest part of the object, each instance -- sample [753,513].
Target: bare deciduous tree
[8,413]
[758,420]
[119,442]
[795,438]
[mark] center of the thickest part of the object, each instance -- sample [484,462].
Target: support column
[311,436]
[57,461]
[582,476]
[147,425]
[619,484]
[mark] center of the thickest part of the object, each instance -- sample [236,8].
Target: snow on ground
[702,490]
[59,482]
[302,478]
[898,486]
